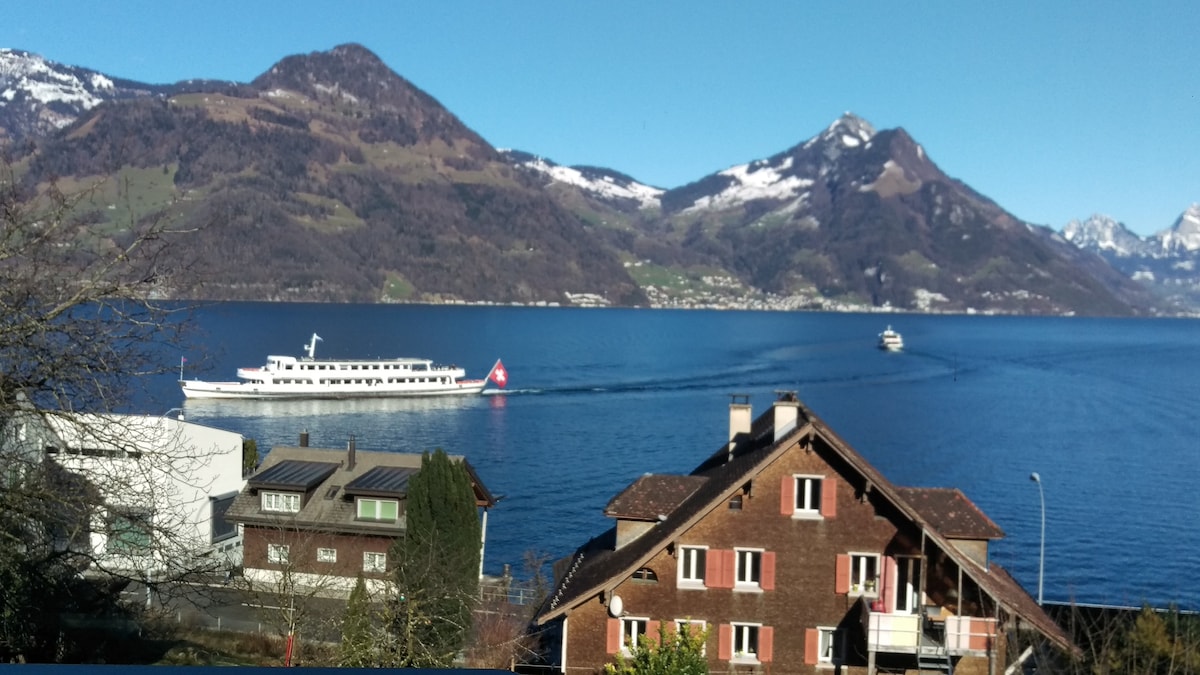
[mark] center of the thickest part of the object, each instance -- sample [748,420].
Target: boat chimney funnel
[304,438]
[739,420]
[350,454]
[786,414]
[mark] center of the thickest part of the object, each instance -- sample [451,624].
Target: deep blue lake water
[1102,409]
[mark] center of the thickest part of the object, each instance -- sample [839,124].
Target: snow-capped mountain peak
[47,83]
[1184,235]
[603,183]
[1100,232]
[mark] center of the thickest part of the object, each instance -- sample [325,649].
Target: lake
[1101,409]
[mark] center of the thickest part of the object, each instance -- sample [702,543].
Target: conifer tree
[437,566]
[356,648]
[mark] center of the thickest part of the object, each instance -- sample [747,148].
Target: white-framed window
[829,645]
[908,585]
[633,631]
[277,553]
[864,573]
[692,560]
[281,502]
[374,562]
[747,567]
[692,627]
[808,496]
[745,642]
[378,509]
[327,555]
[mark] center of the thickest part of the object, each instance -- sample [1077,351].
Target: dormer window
[387,510]
[281,502]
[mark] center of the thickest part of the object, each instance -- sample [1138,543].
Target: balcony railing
[916,634]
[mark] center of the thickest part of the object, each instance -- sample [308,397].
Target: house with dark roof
[795,555]
[321,516]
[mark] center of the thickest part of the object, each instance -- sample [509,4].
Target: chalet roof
[951,513]
[326,504]
[651,496]
[595,567]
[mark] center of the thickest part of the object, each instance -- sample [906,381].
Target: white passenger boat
[890,340]
[308,377]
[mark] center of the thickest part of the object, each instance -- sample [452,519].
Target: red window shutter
[712,568]
[888,584]
[614,636]
[841,582]
[766,643]
[829,497]
[728,568]
[652,630]
[787,496]
[767,580]
[812,645]
[725,642]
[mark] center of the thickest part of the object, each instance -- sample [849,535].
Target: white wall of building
[161,471]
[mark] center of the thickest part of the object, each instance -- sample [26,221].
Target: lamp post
[1042,556]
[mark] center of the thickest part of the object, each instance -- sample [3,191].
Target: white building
[162,486]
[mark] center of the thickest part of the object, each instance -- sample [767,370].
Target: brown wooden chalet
[325,515]
[796,556]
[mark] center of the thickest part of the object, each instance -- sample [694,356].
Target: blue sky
[1054,109]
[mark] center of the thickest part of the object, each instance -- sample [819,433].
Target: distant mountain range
[332,178]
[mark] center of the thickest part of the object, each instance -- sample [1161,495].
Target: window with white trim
[692,627]
[691,566]
[808,496]
[864,573]
[829,645]
[277,553]
[745,642]
[374,562]
[633,631]
[747,567]
[378,509]
[281,502]
[327,555]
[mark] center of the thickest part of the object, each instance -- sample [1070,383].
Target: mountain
[332,178]
[1165,262]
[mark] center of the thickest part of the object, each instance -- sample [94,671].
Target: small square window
[277,553]
[374,562]
[327,555]
[808,495]
[745,642]
[864,573]
[747,567]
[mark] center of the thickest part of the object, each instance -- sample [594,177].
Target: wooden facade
[797,557]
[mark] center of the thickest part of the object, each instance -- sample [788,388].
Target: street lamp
[1042,556]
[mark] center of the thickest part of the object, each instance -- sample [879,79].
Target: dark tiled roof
[651,496]
[294,474]
[949,510]
[382,479]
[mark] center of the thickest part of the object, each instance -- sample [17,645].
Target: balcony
[929,633]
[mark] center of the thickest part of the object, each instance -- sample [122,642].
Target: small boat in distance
[308,377]
[890,340]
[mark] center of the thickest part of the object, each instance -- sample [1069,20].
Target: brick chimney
[304,438]
[739,419]
[786,414]
[350,454]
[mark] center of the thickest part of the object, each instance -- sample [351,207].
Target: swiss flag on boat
[499,375]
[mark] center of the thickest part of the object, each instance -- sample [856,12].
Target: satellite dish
[615,606]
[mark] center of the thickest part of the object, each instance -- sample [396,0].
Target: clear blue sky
[1056,109]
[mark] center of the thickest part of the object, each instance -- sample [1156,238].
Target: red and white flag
[498,375]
